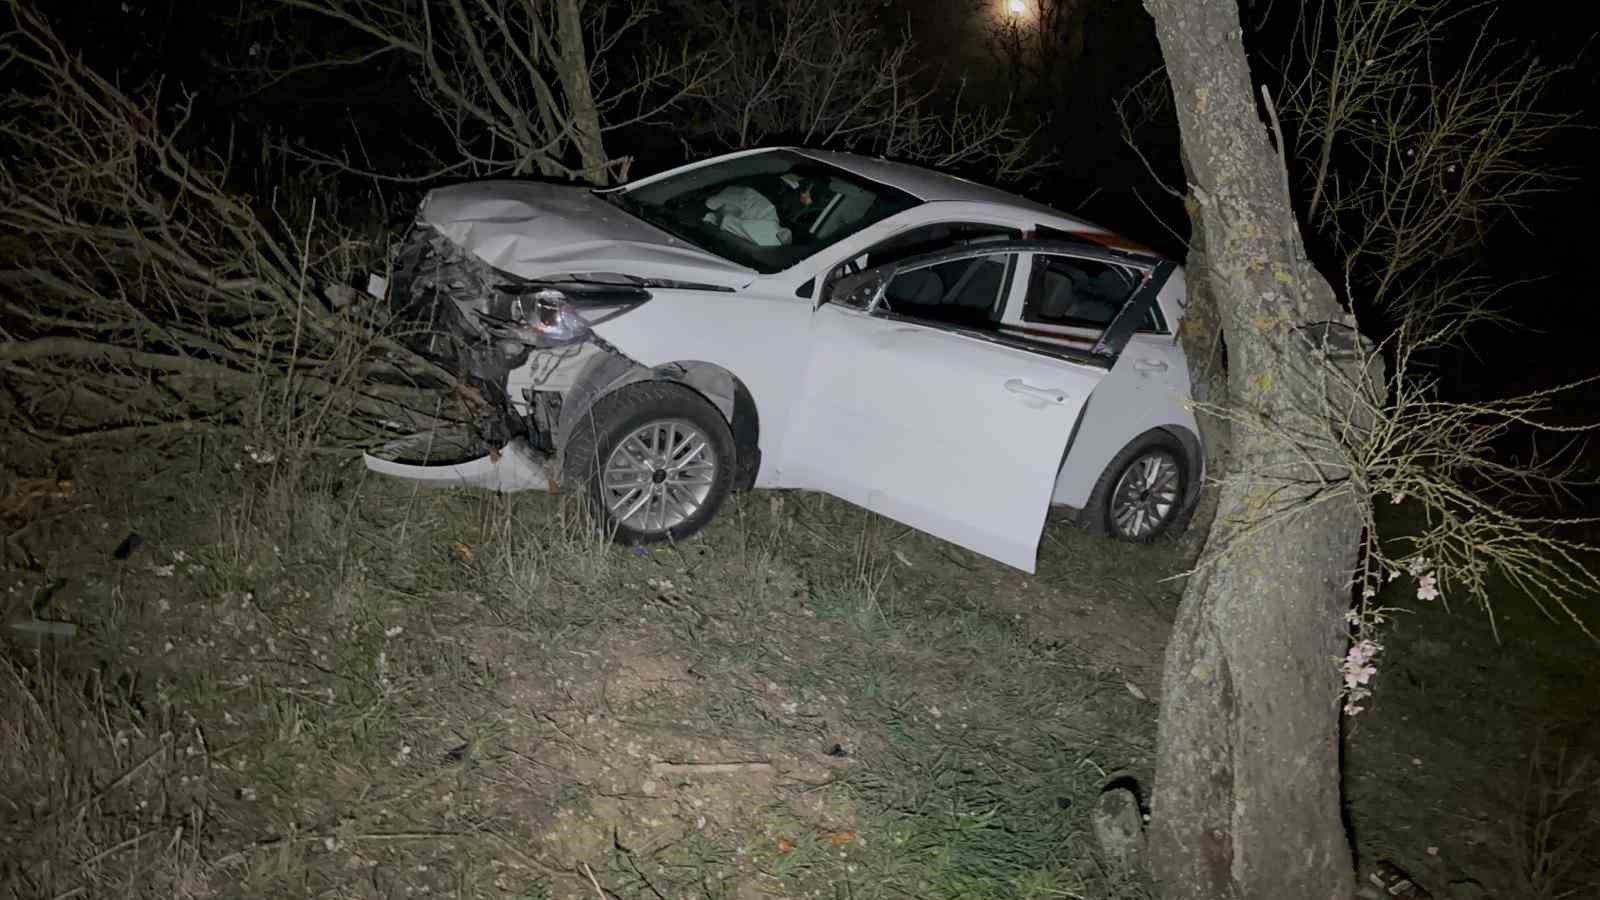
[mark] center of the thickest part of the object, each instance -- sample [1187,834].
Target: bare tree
[1413,143]
[1247,791]
[828,74]
[522,86]
[1036,42]
[1248,754]
[142,300]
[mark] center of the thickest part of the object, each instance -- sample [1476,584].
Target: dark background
[205,49]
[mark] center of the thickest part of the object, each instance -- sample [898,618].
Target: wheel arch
[1195,453]
[612,372]
[1088,455]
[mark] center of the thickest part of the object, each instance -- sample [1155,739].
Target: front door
[915,405]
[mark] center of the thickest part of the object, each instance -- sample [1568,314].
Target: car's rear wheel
[1142,492]
[655,459]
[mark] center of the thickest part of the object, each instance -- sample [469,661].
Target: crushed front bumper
[514,467]
[487,326]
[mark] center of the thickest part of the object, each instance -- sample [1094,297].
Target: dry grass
[1559,826]
[146,300]
[376,688]
[392,689]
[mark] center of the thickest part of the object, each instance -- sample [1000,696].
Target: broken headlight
[540,318]
[553,316]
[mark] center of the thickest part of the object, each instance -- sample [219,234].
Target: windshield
[766,211]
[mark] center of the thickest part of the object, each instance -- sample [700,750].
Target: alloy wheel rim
[659,476]
[1146,496]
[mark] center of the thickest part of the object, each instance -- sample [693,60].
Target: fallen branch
[736,768]
[140,298]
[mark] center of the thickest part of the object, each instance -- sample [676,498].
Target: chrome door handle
[1018,386]
[1150,365]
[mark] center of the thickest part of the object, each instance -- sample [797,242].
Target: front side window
[916,241]
[766,211]
[966,292]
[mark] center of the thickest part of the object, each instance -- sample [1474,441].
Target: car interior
[839,206]
[963,292]
[1078,293]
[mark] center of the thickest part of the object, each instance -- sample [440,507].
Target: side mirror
[862,290]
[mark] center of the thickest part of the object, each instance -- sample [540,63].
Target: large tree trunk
[1200,335]
[1247,781]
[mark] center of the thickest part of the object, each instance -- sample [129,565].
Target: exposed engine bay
[483,324]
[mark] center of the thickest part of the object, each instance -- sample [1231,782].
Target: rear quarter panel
[1125,405]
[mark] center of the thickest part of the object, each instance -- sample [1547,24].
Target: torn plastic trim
[484,323]
[514,467]
[597,283]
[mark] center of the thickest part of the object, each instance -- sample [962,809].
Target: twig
[738,768]
[100,794]
[107,852]
[599,892]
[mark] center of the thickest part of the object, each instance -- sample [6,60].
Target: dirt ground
[356,689]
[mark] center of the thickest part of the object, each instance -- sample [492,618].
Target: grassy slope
[390,691]
[1475,767]
[360,690]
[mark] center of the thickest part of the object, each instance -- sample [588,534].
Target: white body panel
[1148,388]
[950,434]
[536,230]
[514,468]
[1133,399]
[761,339]
[960,437]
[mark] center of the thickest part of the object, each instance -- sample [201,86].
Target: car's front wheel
[656,460]
[1142,492]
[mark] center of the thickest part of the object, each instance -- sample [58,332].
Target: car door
[916,405]
[1072,297]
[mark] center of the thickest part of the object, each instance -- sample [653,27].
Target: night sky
[197,45]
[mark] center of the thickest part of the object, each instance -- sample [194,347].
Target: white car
[949,355]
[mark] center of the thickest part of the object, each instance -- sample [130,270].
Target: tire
[617,456]
[1124,509]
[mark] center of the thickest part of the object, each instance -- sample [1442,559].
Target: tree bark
[1200,336]
[1246,800]
[574,70]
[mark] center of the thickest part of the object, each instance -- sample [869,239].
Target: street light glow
[1016,7]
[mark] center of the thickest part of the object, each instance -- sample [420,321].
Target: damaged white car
[946,354]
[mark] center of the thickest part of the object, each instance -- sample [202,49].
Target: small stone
[1117,825]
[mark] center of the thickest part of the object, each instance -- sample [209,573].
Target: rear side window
[1081,293]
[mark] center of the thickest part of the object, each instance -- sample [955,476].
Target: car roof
[932,187]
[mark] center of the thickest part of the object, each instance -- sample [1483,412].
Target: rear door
[918,405]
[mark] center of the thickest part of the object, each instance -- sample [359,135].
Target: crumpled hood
[538,230]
